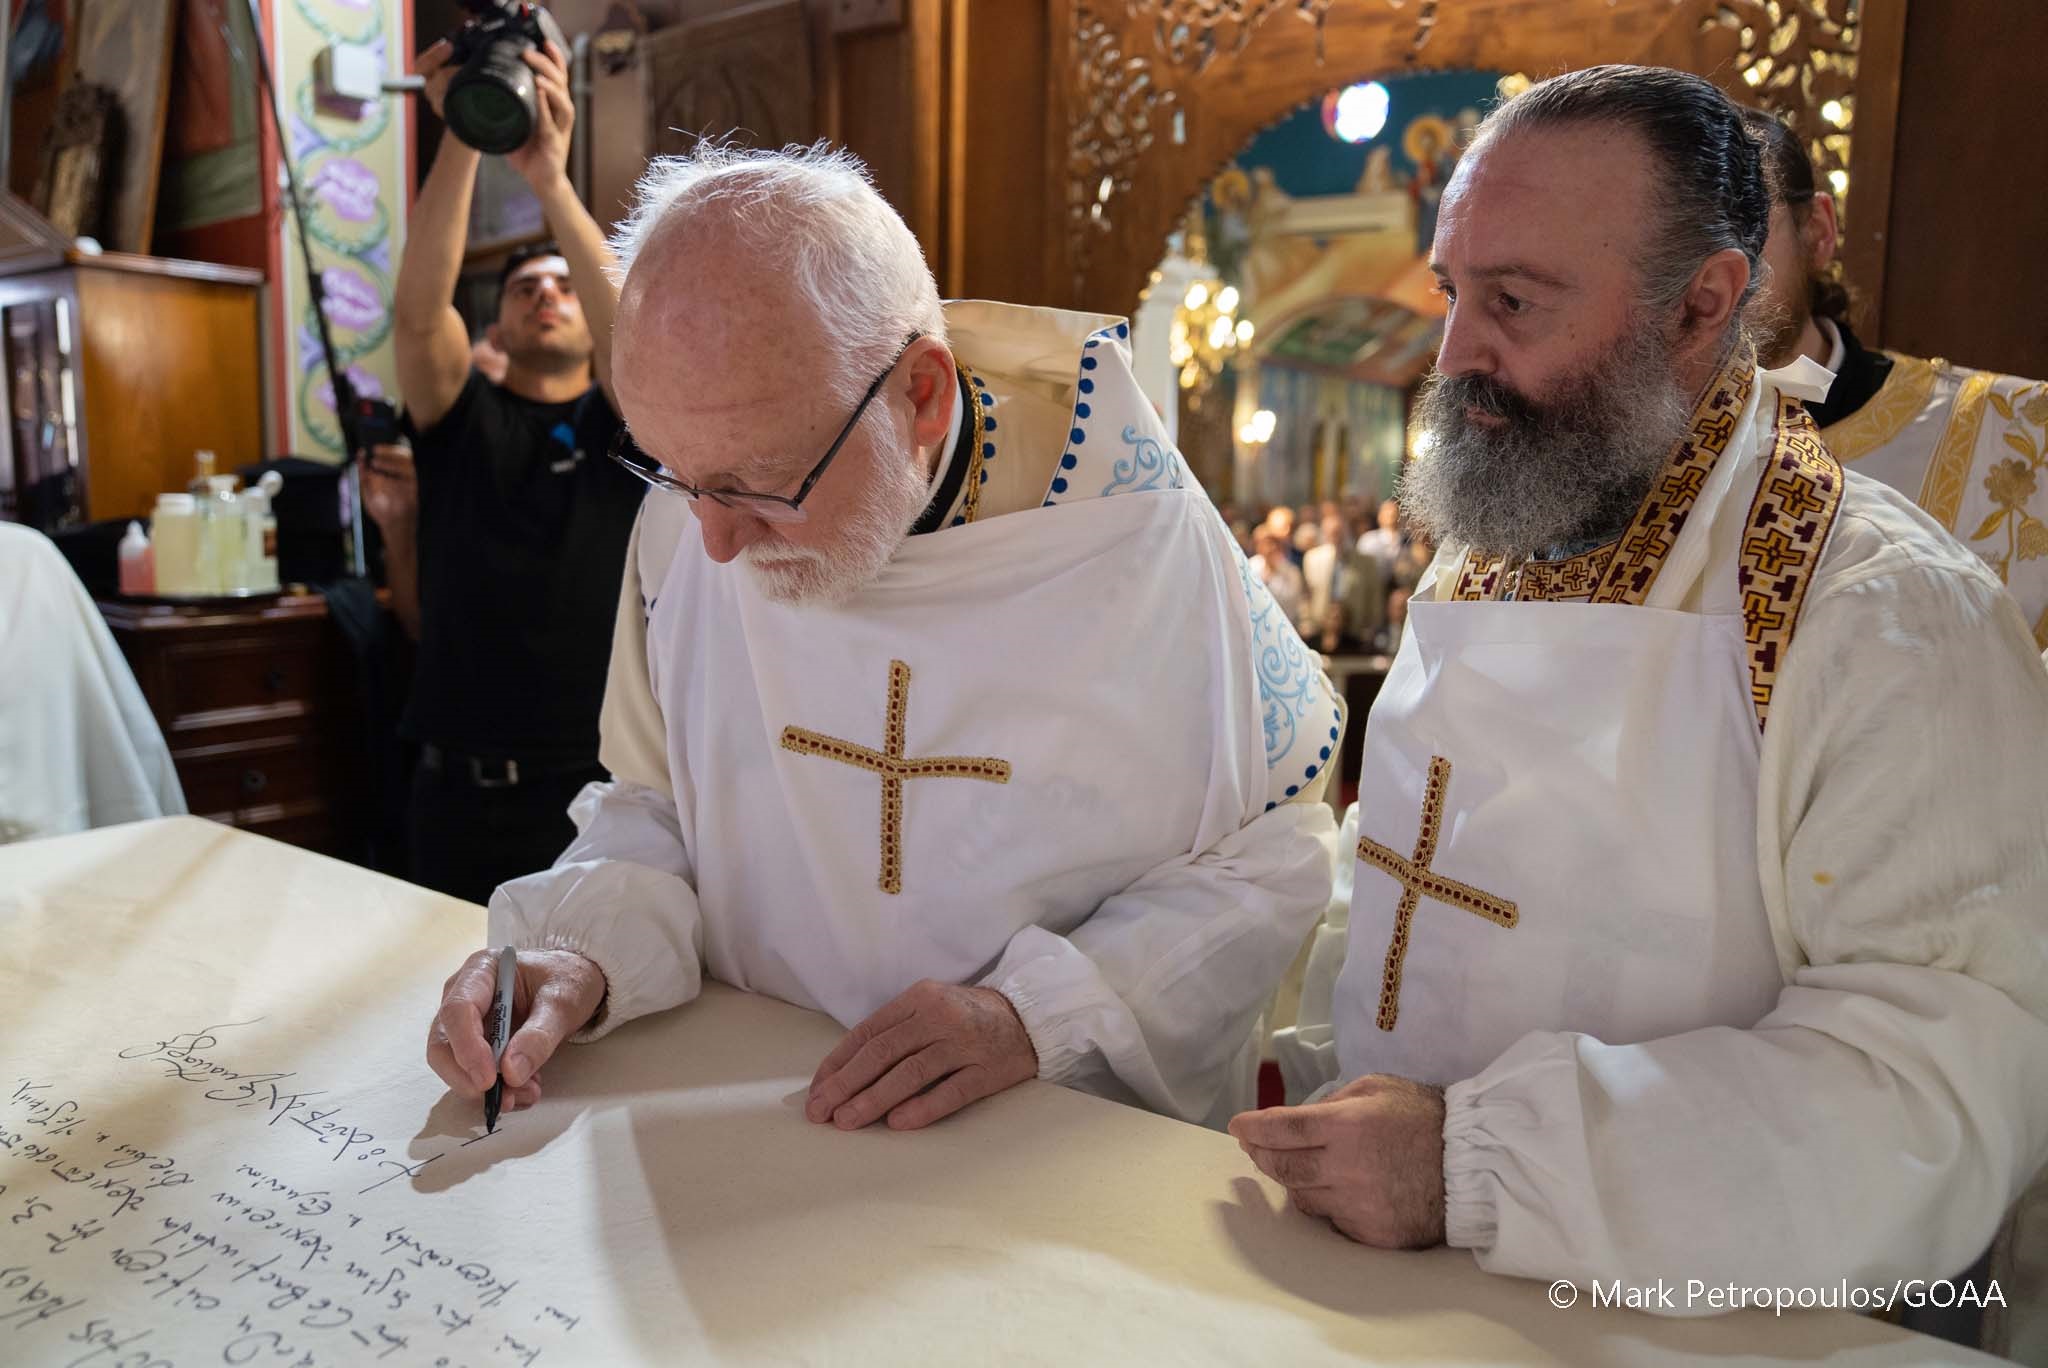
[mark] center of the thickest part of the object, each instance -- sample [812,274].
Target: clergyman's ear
[934,389]
[1715,295]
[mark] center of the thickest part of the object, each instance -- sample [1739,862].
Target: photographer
[521,523]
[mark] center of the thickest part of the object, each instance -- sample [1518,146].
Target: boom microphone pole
[360,418]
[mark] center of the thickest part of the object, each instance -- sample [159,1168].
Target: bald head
[766,308]
[729,242]
[706,319]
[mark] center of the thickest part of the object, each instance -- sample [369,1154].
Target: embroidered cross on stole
[894,767]
[1418,881]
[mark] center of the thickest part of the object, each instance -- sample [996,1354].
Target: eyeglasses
[774,508]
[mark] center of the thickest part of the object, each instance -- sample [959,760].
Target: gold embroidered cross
[1418,881]
[890,763]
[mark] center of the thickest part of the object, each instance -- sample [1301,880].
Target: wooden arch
[1149,98]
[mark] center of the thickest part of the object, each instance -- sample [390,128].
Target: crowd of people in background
[1341,570]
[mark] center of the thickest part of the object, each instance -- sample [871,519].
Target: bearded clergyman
[1699,914]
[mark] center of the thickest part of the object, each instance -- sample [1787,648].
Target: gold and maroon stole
[1790,519]
[1623,570]
[1788,525]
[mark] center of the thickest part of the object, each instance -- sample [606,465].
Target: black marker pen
[498,1026]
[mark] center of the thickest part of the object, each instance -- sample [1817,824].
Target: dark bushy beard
[1562,472]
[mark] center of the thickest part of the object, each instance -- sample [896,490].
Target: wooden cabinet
[260,710]
[118,369]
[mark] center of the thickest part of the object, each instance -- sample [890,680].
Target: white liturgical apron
[1597,771]
[1016,720]
[1558,820]
[1027,714]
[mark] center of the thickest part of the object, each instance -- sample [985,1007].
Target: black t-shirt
[523,527]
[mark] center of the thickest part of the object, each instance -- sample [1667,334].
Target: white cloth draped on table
[78,746]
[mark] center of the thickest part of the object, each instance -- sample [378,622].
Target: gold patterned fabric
[1624,570]
[1419,881]
[1657,523]
[1575,578]
[1571,580]
[1789,520]
[892,765]
[1948,474]
[1481,579]
[1881,420]
[1969,447]
[977,444]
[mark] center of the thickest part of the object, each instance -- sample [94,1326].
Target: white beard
[896,495]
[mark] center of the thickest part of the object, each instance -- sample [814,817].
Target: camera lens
[490,103]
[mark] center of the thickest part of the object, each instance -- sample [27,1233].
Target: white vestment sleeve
[1156,994]
[620,895]
[1878,1122]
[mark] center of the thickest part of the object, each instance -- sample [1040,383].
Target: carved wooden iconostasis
[1050,151]
[1271,245]
[1150,98]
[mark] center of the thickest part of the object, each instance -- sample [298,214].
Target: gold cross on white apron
[890,763]
[1418,881]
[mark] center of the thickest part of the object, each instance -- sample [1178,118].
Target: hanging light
[1206,331]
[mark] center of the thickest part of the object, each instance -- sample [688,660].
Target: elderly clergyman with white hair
[941,701]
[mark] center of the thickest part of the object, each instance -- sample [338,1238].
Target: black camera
[491,102]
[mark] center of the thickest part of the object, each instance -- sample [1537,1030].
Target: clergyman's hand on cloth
[927,1054]
[556,993]
[1370,1157]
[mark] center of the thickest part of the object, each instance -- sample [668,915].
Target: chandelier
[1206,331]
